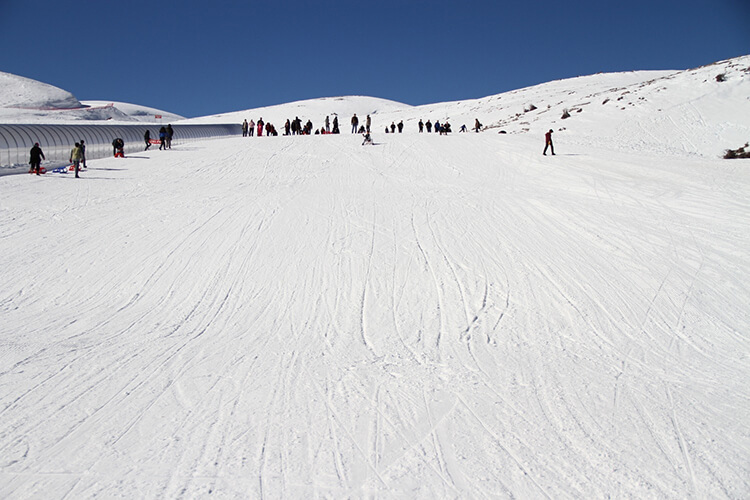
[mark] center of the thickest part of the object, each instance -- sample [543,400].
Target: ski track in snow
[446,317]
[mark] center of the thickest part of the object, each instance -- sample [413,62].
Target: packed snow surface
[429,317]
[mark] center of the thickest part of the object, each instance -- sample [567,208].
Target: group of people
[77,157]
[249,128]
[291,127]
[165,138]
[295,127]
[440,128]
[78,153]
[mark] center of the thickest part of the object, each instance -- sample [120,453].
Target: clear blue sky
[198,58]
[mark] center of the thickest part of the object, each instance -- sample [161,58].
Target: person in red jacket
[548,143]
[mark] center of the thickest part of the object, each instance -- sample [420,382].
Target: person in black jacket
[118,145]
[35,159]
[147,138]
[83,153]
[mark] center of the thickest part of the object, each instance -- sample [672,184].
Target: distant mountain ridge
[23,100]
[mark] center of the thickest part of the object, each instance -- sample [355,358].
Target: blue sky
[198,58]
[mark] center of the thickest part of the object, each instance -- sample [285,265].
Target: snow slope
[674,112]
[430,317]
[136,112]
[23,100]
[27,93]
[314,109]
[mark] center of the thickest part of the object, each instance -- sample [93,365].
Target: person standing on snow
[328,124]
[244,128]
[368,122]
[548,143]
[355,123]
[83,153]
[428,125]
[260,127]
[35,158]
[400,126]
[162,138]
[421,126]
[170,134]
[147,138]
[75,158]
[250,128]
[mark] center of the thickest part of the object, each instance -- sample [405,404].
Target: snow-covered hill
[23,100]
[429,317]
[678,112]
[313,109]
[136,112]
[19,92]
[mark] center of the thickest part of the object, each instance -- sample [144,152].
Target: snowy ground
[430,317]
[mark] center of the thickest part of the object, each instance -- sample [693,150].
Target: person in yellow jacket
[75,157]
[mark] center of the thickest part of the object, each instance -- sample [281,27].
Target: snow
[25,92]
[137,112]
[429,317]
[23,100]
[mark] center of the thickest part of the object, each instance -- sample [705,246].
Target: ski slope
[429,317]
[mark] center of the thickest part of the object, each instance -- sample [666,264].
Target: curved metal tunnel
[57,140]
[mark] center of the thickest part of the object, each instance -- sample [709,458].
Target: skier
[548,143]
[463,128]
[75,157]
[355,123]
[147,138]
[35,159]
